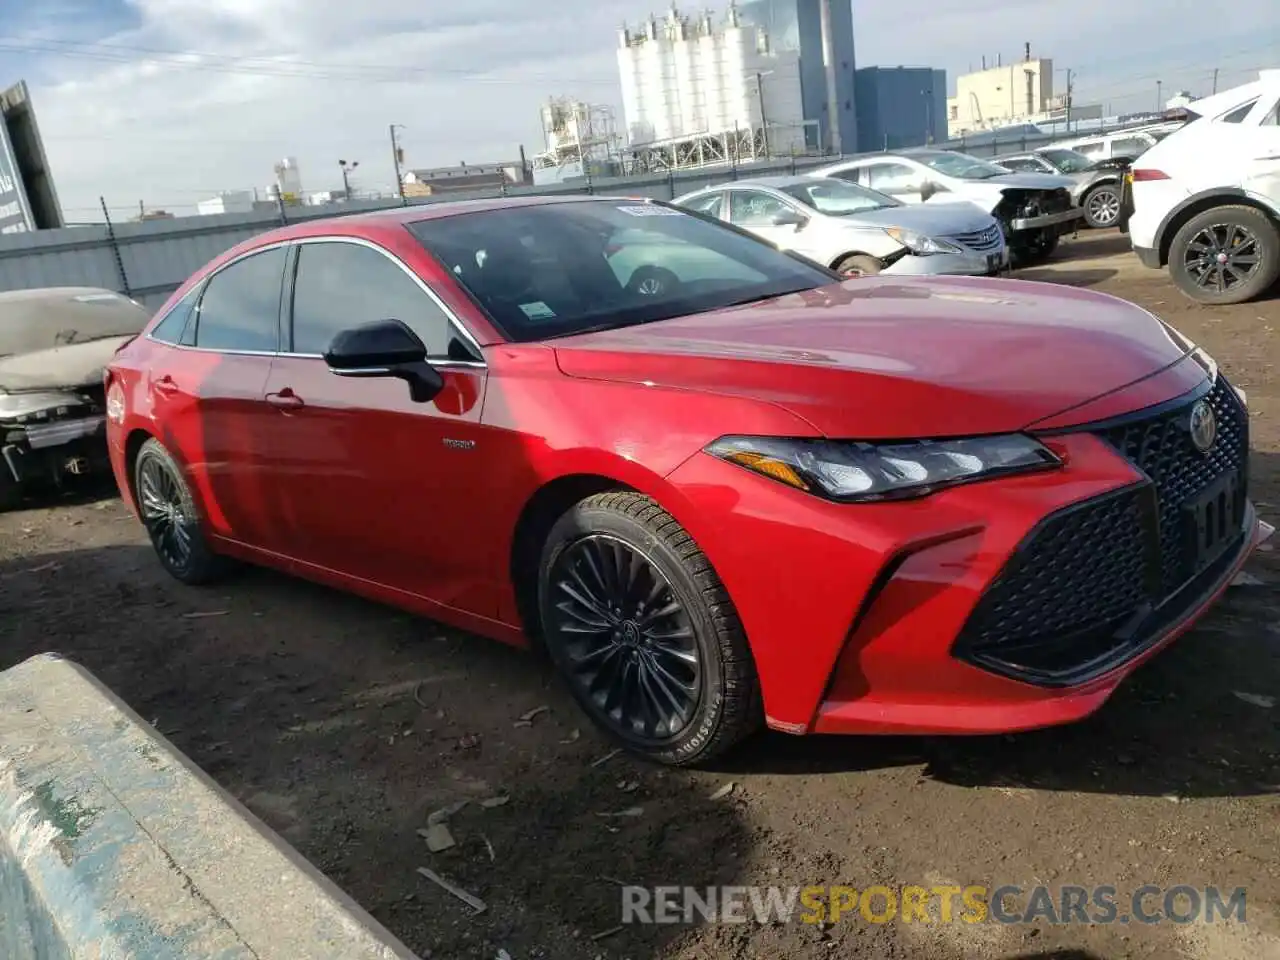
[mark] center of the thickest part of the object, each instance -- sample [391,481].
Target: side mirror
[928,189]
[385,348]
[789,218]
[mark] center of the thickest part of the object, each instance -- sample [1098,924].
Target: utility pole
[764,123]
[1070,90]
[1159,96]
[395,159]
[346,170]
[1215,79]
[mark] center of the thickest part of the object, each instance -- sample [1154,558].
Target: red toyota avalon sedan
[719,486]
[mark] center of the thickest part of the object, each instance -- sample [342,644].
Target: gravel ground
[344,725]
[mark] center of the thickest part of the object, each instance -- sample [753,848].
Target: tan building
[1018,92]
[425,183]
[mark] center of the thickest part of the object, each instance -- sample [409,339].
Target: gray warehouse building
[900,107]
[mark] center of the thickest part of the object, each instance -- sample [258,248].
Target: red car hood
[880,358]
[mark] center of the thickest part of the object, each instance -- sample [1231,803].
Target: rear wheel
[1102,206]
[170,517]
[643,632]
[859,265]
[1037,249]
[1225,255]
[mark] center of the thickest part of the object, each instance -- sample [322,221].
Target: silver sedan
[857,231]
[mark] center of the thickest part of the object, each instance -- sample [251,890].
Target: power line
[267,66]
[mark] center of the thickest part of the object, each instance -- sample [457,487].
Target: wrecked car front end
[54,345]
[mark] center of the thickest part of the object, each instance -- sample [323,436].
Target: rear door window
[240,308]
[173,323]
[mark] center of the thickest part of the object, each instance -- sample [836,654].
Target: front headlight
[25,404]
[918,243]
[851,471]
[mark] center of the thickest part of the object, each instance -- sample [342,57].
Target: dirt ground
[344,724]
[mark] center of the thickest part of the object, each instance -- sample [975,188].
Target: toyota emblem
[1204,426]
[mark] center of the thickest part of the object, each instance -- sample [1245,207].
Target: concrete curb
[114,845]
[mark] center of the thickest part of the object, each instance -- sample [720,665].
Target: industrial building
[229,201]
[697,91]
[767,78]
[475,176]
[581,140]
[820,35]
[1017,92]
[900,107]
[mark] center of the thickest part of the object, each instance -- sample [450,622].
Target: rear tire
[1101,206]
[171,519]
[1037,250]
[643,632]
[1249,241]
[858,265]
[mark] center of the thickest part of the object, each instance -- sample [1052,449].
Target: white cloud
[321,79]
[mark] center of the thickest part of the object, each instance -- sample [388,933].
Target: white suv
[1206,199]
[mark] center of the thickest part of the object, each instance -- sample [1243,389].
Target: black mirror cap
[380,343]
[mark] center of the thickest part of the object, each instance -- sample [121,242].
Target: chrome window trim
[195,310]
[455,323]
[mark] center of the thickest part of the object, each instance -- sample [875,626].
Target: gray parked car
[1098,183]
[857,231]
[54,344]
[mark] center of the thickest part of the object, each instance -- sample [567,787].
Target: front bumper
[1046,220]
[50,452]
[865,618]
[970,263]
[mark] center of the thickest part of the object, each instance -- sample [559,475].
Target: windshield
[839,198]
[1068,161]
[557,269]
[960,165]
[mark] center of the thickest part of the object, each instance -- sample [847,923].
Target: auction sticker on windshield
[651,210]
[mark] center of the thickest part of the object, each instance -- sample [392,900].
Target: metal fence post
[671,183]
[115,249]
[280,207]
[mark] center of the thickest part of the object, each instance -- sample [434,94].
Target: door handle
[284,399]
[165,384]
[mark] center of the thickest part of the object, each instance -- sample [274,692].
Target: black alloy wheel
[1225,255]
[168,513]
[628,641]
[643,632]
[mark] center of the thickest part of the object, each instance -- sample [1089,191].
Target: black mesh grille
[1084,568]
[1161,447]
[1086,588]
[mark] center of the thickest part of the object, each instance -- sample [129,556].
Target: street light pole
[346,170]
[395,159]
[1159,96]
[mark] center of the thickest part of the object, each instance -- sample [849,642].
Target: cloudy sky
[169,101]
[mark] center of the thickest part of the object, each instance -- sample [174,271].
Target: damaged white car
[54,344]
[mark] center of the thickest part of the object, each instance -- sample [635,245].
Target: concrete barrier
[113,845]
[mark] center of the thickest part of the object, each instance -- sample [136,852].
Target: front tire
[1225,255]
[643,632]
[170,517]
[1102,206]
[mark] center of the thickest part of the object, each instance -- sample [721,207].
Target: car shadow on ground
[344,725]
[1068,278]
